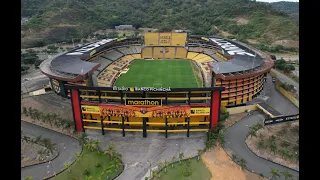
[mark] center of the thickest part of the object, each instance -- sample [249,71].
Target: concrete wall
[289,96]
[241,109]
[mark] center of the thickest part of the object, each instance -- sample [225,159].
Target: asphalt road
[33,80]
[275,99]
[66,145]
[235,137]
[286,79]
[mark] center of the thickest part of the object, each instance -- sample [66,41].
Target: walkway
[235,137]
[66,145]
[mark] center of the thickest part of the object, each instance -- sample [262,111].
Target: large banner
[281,119]
[133,111]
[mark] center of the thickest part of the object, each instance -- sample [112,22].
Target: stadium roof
[243,57]
[72,64]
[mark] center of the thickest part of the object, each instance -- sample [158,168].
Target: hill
[61,20]
[290,8]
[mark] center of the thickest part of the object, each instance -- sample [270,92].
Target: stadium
[161,82]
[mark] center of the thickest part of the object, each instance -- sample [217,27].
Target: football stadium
[159,82]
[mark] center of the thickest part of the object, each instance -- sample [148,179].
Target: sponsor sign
[152,111]
[199,111]
[143,102]
[92,52]
[132,89]
[281,119]
[164,39]
[230,48]
[90,109]
[89,47]
[56,86]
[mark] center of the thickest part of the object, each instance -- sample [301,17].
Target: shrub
[186,172]
[98,164]
[86,172]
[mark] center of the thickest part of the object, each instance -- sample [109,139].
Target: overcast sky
[277,0]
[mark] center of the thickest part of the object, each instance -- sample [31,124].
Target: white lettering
[89,47]
[230,48]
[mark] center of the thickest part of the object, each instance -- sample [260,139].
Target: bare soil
[50,103]
[242,20]
[285,135]
[30,156]
[232,119]
[223,168]
[286,43]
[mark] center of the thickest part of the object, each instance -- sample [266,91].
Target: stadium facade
[237,69]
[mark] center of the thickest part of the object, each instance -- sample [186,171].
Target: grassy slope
[199,171]
[169,73]
[88,160]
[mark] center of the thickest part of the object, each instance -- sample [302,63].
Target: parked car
[273,80]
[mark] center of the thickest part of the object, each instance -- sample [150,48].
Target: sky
[277,0]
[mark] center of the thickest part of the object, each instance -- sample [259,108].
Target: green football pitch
[160,73]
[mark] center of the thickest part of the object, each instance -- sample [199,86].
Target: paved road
[66,145]
[138,151]
[235,137]
[275,99]
[33,80]
[286,78]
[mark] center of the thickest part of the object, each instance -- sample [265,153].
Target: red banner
[134,111]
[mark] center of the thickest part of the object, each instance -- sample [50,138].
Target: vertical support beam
[166,101]
[144,127]
[121,95]
[215,108]
[189,94]
[101,118]
[166,127]
[188,126]
[123,133]
[76,108]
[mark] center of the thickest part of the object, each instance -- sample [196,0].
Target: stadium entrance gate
[145,109]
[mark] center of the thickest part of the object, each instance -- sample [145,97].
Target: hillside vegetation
[60,20]
[290,8]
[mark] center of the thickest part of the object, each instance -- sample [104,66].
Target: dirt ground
[223,168]
[284,134]
[49,103]
[30,156]
[233,119]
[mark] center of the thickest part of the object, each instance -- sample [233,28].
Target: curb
[60,133]
[51,129]
[42,161]
[251,151]
[267,159]
[74,159]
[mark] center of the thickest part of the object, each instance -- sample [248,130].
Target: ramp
[268,110]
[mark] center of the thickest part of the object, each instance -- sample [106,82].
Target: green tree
[199,153]
[181,156]
[28,178]
[173,160]
[252,132]
[67,166]
[106,172]
[286,174]
[165,164]
[261,144]
[273,147]
[234,157]
[243,163]
[275,173]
